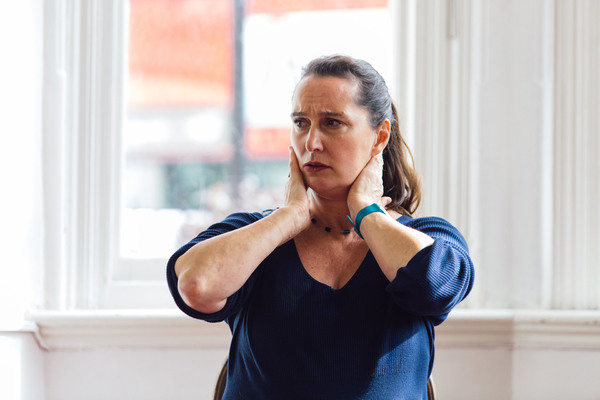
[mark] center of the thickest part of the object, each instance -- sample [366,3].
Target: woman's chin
[330,193]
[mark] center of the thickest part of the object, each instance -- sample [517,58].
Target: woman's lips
[314,166]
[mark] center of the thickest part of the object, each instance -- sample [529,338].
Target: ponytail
[400,180]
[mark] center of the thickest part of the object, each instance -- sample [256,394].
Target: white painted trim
[85,45]
[576,231]
[530,329]
[80,330]
[22,327]
[522,329]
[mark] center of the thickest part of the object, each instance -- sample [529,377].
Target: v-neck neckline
[402,219]
[317,282]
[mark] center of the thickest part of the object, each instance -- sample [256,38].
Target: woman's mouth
[314,166]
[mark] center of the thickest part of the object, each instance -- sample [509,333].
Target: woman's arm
[214,269]
[437,278]
[427,262]
[392,244]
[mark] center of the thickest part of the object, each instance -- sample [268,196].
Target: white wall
[561,374]
[20,159]
[22,375]
[148,374]
[517,374]
[21,360]
[462,372]
[465,373]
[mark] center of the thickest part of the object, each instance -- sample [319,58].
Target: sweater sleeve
[231,223]
[438,277]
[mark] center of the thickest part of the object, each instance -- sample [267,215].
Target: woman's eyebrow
[332,114]
[321,114]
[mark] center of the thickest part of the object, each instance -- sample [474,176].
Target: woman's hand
[368,187]
[296,196]
[392,244]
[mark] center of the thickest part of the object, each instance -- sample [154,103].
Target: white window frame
[83,86]
[84,109]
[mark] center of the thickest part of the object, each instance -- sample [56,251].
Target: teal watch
[375,207]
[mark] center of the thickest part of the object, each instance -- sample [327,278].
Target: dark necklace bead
[328,229]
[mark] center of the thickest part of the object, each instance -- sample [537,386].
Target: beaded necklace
[329,230]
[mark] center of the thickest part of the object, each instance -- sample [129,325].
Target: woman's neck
[330,214]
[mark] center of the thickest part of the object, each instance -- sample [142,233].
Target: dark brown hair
[400,180]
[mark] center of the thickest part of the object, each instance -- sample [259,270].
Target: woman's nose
[313,140]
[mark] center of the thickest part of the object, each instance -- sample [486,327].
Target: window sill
[83,329]
[77,330]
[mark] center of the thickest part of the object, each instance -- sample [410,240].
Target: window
[177,114]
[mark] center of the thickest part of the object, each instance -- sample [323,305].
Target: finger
[379,158]
[295,171]
[294,167]
[385,201]
[376,161]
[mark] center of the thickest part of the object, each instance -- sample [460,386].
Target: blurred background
[209,97]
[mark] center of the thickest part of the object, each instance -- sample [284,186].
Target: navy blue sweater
[296,338]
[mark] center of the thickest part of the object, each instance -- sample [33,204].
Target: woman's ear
[383,137]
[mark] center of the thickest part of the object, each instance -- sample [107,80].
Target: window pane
[180,167]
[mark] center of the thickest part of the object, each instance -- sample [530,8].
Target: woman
[335,294]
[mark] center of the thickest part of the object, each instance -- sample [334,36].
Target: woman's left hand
[368,187]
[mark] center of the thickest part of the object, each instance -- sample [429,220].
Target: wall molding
[82,330]
[170,329]
[521,329]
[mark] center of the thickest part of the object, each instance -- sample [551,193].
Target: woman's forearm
[392,243]
[214,269]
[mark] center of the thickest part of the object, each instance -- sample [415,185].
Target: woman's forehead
[324,90]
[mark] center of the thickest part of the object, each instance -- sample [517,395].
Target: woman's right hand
[296,196]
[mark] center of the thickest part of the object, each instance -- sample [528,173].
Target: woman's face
[331,134]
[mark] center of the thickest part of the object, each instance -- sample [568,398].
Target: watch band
[375,207]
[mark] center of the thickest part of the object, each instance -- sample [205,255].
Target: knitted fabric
[296,338]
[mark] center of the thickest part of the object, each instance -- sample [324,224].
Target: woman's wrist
[294,220]
[362,213]
[355,206]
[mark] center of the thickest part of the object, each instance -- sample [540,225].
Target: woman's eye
[333,122]
[299,123]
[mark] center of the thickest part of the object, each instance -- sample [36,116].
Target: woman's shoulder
[246,217]
[425,220]
[435,227]
[238,220]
